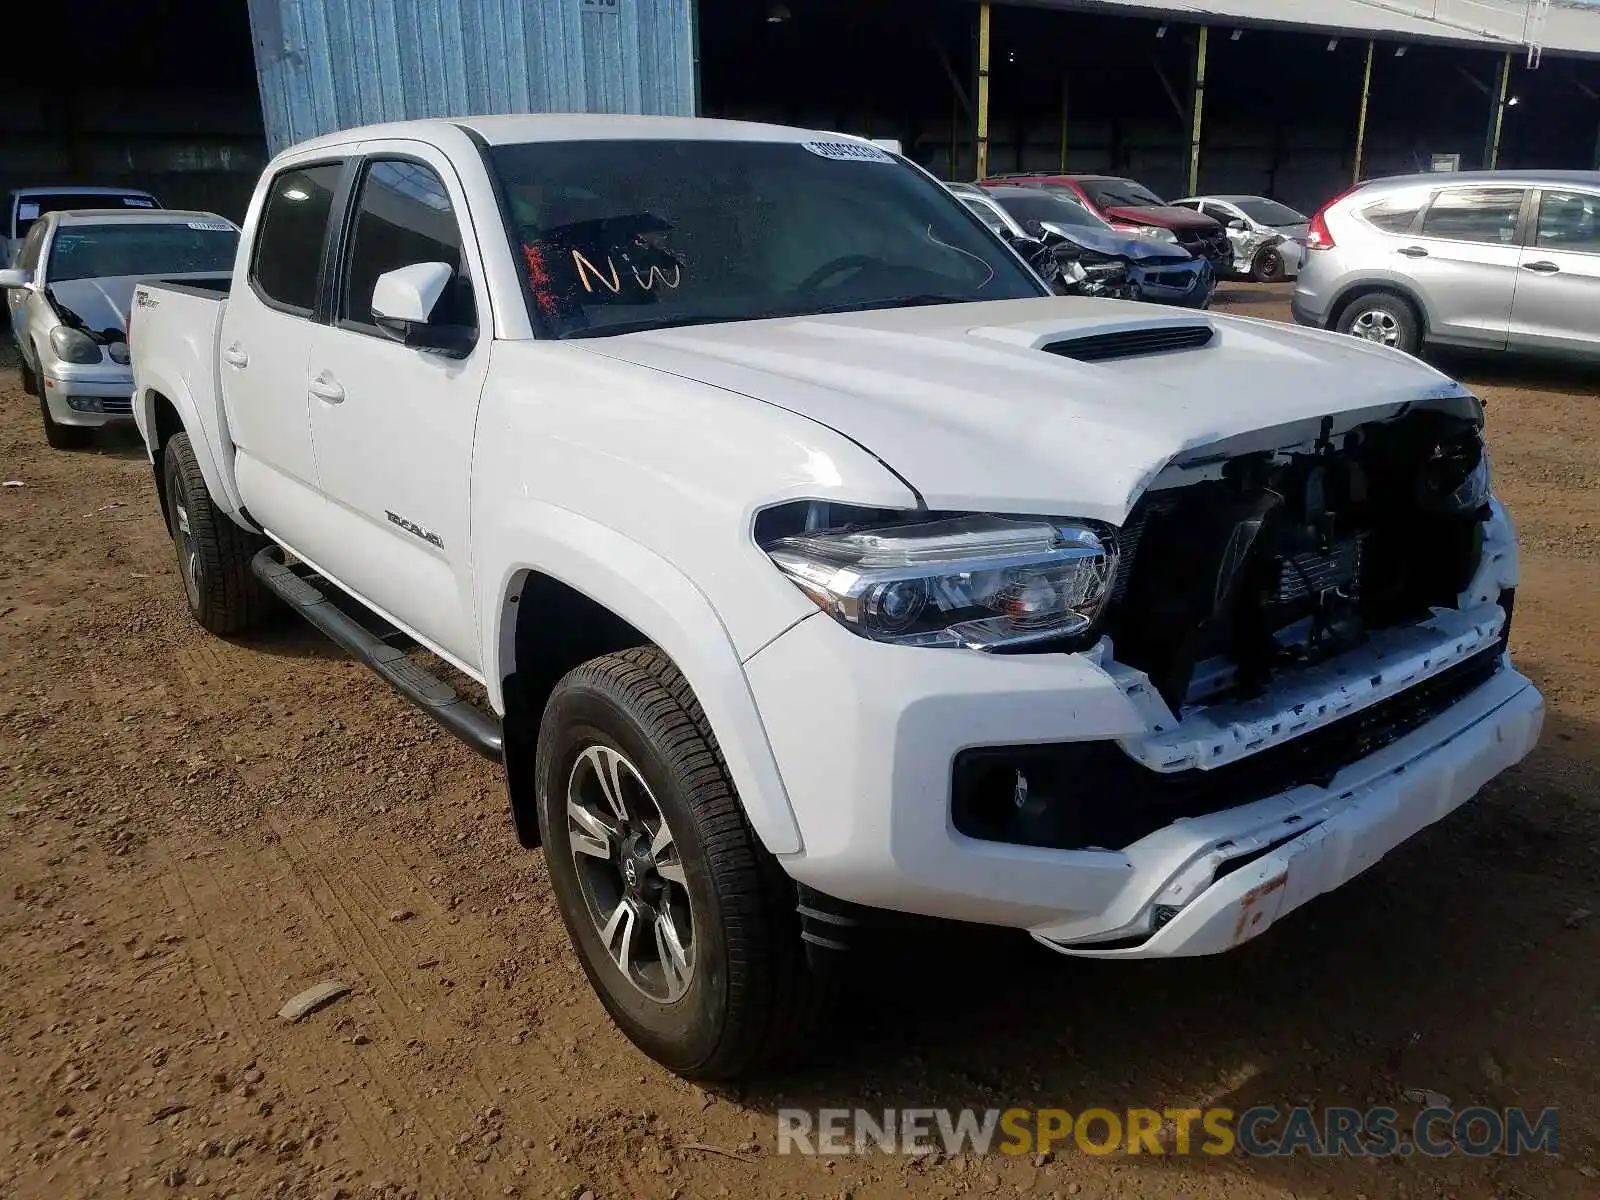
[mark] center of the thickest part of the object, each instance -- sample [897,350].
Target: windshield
[1270,212]
[1120,193]
[140,248]
[35,204]
[1052,207]
[623,235]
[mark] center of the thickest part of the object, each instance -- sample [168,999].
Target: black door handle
[1412,252]
[1543,267]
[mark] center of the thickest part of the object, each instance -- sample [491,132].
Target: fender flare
[224,494]
[661,602]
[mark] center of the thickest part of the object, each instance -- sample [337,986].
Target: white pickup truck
[813,560]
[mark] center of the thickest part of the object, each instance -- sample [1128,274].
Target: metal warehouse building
[1292,98]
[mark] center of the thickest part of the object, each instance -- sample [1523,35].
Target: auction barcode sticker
[849,151]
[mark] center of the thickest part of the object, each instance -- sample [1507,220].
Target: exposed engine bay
[1283,559]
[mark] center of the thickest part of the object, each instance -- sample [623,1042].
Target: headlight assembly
[74,346]
[981,582]
[1157,234]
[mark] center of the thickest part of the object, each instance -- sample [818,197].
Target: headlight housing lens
[74,346]
[118,351]
[1156,234]
[980,582]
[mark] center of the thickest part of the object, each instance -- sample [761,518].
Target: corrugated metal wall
[330,64]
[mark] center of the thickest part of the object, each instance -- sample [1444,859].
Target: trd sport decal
[411,527]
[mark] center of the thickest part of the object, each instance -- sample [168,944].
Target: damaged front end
[1280,614]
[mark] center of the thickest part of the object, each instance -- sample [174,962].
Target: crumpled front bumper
[1299,845]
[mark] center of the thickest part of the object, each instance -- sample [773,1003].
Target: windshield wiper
[646,324]
[917,301]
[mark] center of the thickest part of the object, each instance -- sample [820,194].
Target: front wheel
[1268,266]
[59,436]
[214,553]
[684,924]
[30,377]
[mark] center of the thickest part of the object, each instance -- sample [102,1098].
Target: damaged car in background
[1268,238]
[1081,255]
[1062,265]
[71,294]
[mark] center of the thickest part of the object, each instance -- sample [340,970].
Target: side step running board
[436,698]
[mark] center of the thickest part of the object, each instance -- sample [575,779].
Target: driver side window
[403,216]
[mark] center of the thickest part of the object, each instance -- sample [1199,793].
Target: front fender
[220,483]
[661,602]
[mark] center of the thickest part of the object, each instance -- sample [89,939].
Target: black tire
[1384,318]
[1268,266]
[750,995]
[213,553]
[59,436]
[30,379]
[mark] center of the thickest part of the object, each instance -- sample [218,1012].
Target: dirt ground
[192,831]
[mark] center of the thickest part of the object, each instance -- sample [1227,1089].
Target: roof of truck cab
[567,127]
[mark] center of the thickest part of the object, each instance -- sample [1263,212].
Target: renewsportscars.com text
[1257,1132]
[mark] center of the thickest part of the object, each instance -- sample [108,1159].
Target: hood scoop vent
[1132,343]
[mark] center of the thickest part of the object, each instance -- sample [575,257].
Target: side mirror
[16,277]
[1238,224]
[403,301]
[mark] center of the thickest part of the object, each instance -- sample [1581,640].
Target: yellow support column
[1361,124]
[1492,158]
[1199,109]
[983,90]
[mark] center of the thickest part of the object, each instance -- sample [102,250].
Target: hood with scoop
[1064,406]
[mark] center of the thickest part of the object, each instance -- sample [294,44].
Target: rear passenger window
[1569,221]
[1475,215]
[1392,216]
[404,217]
[293,225]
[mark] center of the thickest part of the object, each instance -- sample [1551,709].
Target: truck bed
[174,339]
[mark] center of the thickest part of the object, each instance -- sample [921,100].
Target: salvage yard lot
[192,831]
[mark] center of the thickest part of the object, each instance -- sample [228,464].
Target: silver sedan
[69,294]
[1268,238]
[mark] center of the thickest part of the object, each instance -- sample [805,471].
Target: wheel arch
[576,590]
[164,409]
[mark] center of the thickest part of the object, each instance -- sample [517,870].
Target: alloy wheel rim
[630,874]
[1375,325]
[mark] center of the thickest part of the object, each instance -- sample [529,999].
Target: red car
[1133,207]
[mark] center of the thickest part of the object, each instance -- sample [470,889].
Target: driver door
[393,425]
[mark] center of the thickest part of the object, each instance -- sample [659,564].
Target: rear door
[1557,305]
[1463,260]
[393,425]
[265,343]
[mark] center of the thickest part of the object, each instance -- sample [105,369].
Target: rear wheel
[213,552]
[1382,318]
[684,924]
